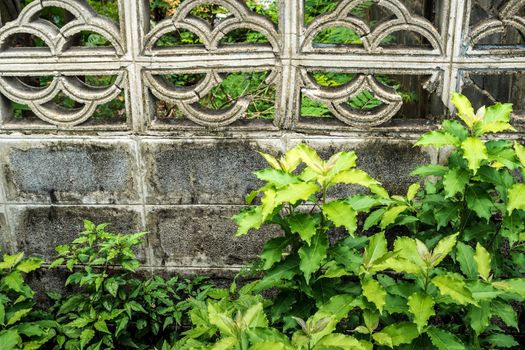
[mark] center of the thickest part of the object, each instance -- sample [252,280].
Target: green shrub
[440,267]
[22,325]
[112,308]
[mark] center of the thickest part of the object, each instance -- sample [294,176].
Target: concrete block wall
[182,192]
[182,180]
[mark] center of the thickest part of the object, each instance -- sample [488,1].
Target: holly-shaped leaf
[390,216]
[520,153]
[312,255]
[412,190]
[421,306]
[340,161]
[443,248]
[274,163]
[374,292]
[464,109]
[247,219]
[396,334]
[495,119]
[438,139]
[501,341]
[293,193]
[454,286]
[376,249]
[455,181]
[444,340]
[480,202]
[474,151]
[342,214]
[455,128]
[309,156]
[516,195]
[506,312]
[277,178]
[465,257]
[338,341]
[305,225]
[513,286]
[479,317]
[29,264]
[482,259]
[273,251]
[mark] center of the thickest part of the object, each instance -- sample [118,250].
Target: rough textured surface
[71,172]
[180,175]
[40,229]
[202,172]
[5,236]
[201,236]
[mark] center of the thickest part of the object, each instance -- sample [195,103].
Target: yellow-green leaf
[444,340]
[443,248]
[268,203]
[295,192]
[437,139]
[374,293]
[340,341]
[422,307]
[354,177]
[11,260]
[340,161]
[310,157]
[455,288]
[407,258]
[341,214]
[474,151]
[304,225]
[276,177]
[255,317]
[218,318]
[464,109]
[390,216]
[227,343]
[396,334]
[513,286]
[101,326]
[17,316]
[520,152]
[454,181]
[248,219]
[86,336]
[412,190]
[495,119]
[274,163]
[482,258]
[516,197]
[29,264]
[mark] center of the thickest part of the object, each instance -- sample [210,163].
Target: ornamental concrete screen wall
[147,153]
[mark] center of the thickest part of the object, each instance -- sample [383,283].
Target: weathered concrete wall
[182,179]
[183,192]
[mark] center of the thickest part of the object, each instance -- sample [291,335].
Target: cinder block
[39,229]
[202,237]
[71,172]
[207,172]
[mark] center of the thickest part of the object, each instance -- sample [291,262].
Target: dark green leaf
[313,255]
